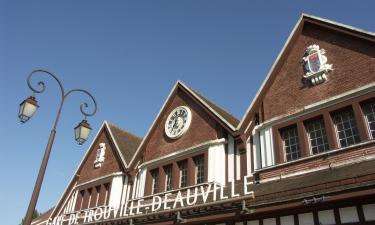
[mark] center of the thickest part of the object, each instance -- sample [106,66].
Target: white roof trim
[162,108]
[115,174]
[105,123]
[75,173]
[182,152]
[206,105]
[37,222]
[271,70]
[66,200]
[153,123]
[317,106]
[114,141]
[359,30]
[291,35]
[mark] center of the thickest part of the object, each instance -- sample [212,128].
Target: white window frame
[185,162]
[168,177]
[156,171]
[82,198]
[90,195]
[97,194]
[200,159]
[309,138]
[372,106]
[351,128]
[283,143]
[106,187]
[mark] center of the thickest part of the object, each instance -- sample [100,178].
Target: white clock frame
[184,129]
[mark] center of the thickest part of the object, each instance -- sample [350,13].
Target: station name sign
[164,202]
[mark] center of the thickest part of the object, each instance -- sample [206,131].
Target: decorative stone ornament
[315,65]
[100,155]
[178,122]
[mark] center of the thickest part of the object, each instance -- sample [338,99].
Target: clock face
[178,122]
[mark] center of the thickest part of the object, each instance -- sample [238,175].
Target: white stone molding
[179,153]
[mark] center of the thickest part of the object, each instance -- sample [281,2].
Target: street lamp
[27,109]
[81,132]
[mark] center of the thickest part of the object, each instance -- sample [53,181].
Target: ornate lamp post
[81,131]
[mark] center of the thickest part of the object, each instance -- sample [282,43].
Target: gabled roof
[43,217]
[223,114]
[125,141]
[305,18]
[125,145]
[219,114]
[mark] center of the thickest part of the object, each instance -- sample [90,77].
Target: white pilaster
[231,157]
[141,183]
[238,163]
[116,190]
[256,150]
[248,157]
[266,146]
[216,164]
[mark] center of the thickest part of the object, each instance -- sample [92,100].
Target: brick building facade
[304,152]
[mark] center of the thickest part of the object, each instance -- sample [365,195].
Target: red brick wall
[353,63]
[202,128]
[110,165]
[323,160]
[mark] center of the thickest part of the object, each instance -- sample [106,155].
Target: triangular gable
[369,36]
[228,121]
[107,129]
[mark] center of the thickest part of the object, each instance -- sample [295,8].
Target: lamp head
[82,132]
[27,109]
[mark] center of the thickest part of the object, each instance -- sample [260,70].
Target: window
[289,137]
[369,111]
[97,188]
[155,180]
[199,169]
[168,177]
[106,198]
[82,194]
[183,173]
[317,136]
[346,128]
[90,197]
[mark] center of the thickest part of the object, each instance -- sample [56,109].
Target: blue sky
[129,54]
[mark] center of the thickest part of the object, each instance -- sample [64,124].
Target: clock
[178,122]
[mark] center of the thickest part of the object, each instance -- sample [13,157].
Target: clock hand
[174,123]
